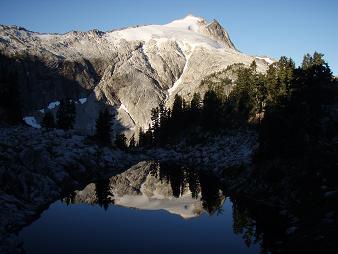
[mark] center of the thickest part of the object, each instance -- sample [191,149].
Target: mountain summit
[213,30]
[132,70]
[190,30]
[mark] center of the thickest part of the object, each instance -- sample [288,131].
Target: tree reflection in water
[199,183]
[257,223]
[103,194]
[244,224]
[69,198]
[254,223]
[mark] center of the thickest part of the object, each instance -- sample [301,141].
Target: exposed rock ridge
[215,31]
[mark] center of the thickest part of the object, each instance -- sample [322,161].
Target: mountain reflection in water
[151,186]
[96,219]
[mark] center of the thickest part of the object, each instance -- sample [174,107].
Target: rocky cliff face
[132,69]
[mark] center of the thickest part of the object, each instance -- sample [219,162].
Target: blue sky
[273,28]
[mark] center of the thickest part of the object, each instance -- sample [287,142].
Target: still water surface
[148,209]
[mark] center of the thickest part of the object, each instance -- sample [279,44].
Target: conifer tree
[177,107]
[195,107]
[241,98]
[148,138]
[285,73]
[164,124]
[48,120]
[297,118]
[10,99]
[307,61]
[132,142]
[211,110]
[141,138]
[66,114]
[103,127]
[253,66]
[196,102]
[271,83]
[121,142]
[259,93]
[102,191]
[177,114]
[155,125]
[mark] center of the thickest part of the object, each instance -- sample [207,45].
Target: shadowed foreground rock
[37,167]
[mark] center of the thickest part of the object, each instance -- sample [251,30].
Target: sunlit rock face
[132,70]
[151,186]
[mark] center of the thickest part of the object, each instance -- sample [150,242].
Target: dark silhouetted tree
[212,107]
[102,189]
[148,138]
[65,115]
[293,125]
[141,138]
[10,98]
[193,181]
[48,120]
[132,142]
[211,196]
[163,131]
[121,142]
[177,110]
[195,108]
[155,125]
[174,175]
[69,198]
[103,127]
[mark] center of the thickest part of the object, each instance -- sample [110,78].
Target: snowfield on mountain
[132,70]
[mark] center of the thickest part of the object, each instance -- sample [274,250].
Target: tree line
[286,104]
[65,119]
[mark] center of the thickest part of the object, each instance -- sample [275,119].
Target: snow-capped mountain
[132,69]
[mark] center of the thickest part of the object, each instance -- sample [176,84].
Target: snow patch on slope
[46,36]
[83,100]
[123,107]
[53,104]
[179,81]
[266,59]
[31,121]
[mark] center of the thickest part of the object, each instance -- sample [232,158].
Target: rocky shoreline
[39,166]
[216,152]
